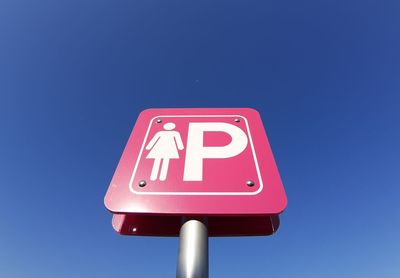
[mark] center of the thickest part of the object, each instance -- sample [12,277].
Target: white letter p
[196,151]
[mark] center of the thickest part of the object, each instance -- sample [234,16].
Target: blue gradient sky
[325,76]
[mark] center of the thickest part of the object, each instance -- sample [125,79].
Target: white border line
[131,188]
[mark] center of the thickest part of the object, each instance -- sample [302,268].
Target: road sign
[205,162]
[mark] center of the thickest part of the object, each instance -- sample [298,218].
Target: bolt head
[142,183]
[250,183]
[237,120]
[159,121]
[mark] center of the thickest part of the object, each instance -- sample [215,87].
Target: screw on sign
[213,165]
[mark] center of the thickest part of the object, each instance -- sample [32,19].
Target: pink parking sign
[197,161]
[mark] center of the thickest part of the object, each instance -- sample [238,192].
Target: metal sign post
[193,249]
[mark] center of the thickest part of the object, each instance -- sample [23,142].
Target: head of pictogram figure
[169,126]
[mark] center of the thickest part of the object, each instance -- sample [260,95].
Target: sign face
[197,161]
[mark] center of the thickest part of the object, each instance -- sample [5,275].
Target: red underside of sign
[161,225]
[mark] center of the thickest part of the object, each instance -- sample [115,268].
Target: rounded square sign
[197,161]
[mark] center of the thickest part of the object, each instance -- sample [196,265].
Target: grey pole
[193,250]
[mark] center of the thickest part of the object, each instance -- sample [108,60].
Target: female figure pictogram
[164,146]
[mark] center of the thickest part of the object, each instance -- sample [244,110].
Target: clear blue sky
[325,76]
